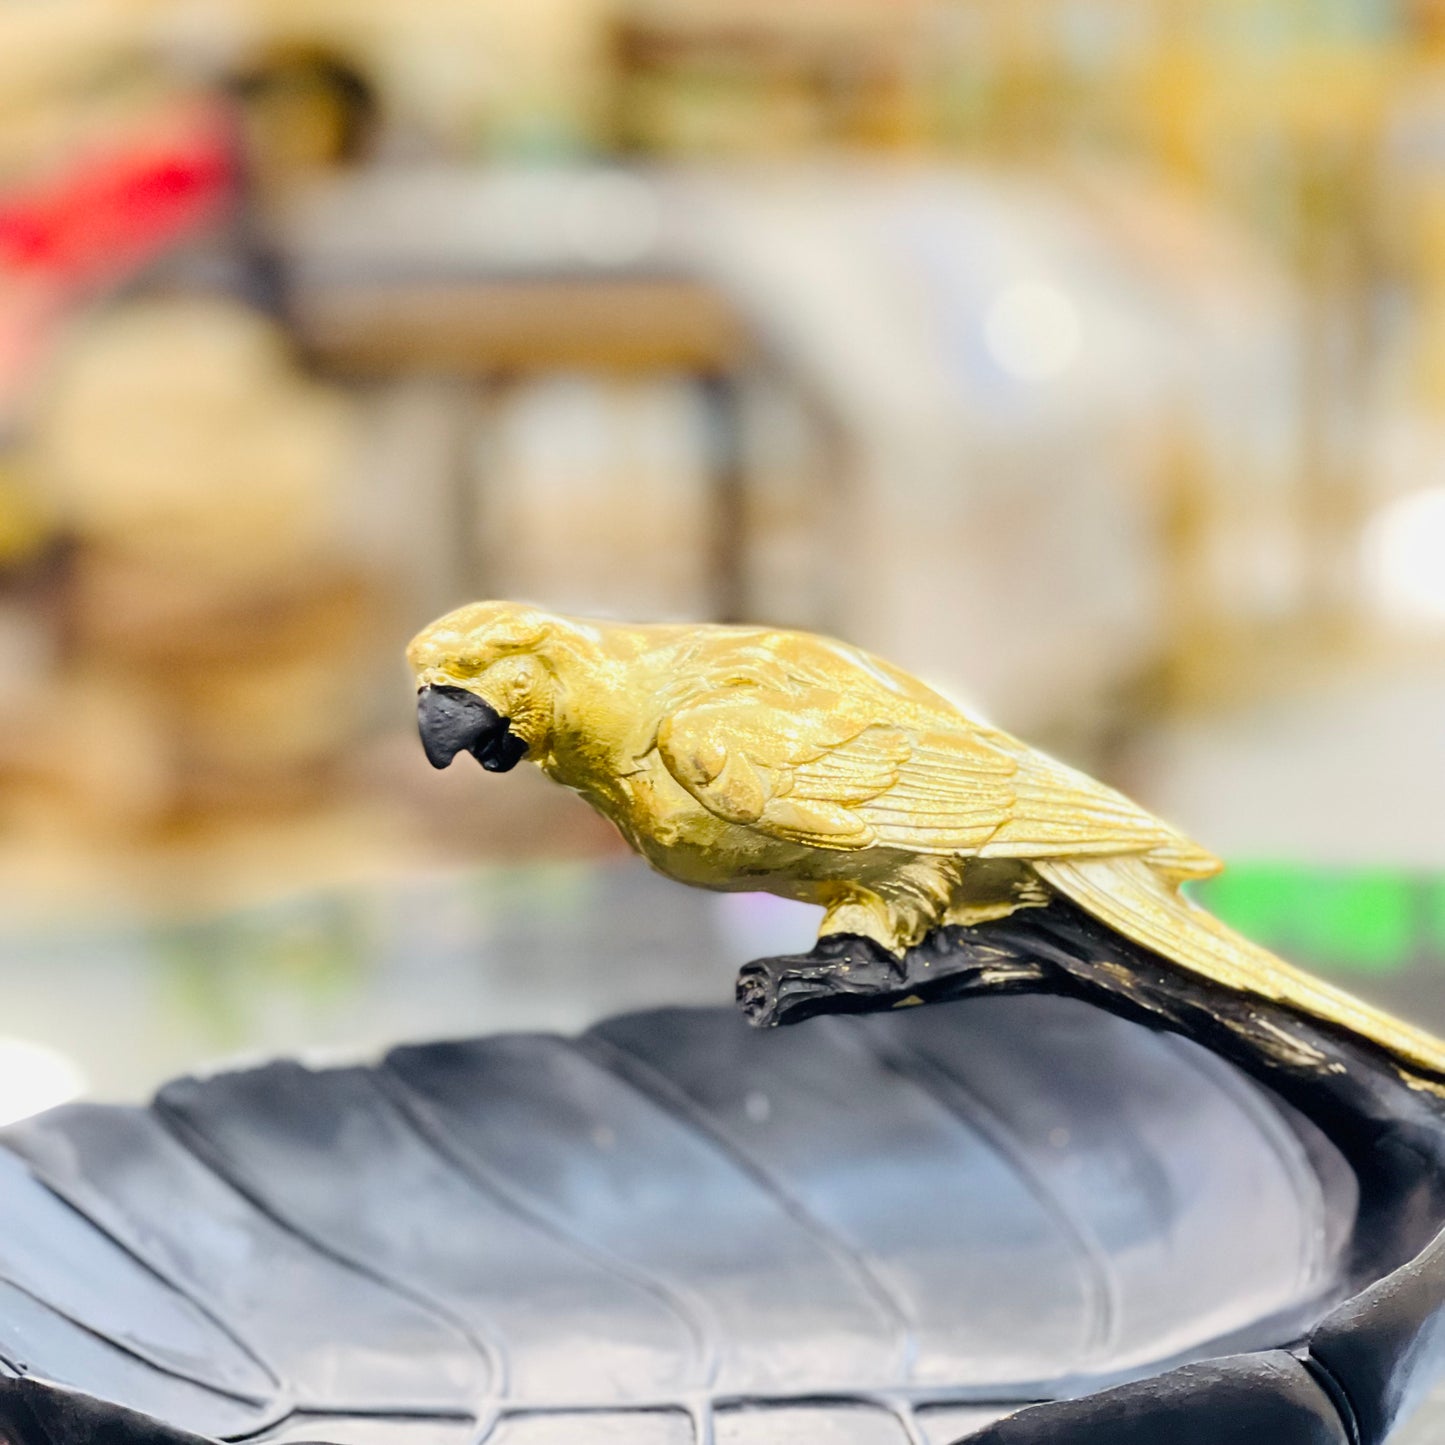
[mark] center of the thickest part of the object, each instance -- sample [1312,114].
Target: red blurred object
[101,219]
[111,212]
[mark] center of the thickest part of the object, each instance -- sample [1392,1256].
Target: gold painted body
[747,758]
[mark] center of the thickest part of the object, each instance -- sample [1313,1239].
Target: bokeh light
[1404,549]
[35,1077]
[1034,331]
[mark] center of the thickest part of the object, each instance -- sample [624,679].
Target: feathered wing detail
[1059,811]
[834,777]
[1129,896]
[847,772]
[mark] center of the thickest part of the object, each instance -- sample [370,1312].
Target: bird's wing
[1061,812]
[820,767]
[815,766]
[1129,896]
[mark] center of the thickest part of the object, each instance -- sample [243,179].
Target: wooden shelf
[491,327]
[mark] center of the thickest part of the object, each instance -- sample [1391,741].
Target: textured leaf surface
[673,1230]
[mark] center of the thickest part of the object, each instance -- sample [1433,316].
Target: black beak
[452,720]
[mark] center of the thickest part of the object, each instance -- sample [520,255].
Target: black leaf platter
[1080,1214]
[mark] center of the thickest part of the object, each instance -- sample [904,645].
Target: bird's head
[487,683]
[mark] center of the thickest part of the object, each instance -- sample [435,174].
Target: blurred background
[1086,357]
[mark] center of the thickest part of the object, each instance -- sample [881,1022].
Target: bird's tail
[1129,896]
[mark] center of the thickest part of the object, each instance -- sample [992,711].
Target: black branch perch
[1327,1072]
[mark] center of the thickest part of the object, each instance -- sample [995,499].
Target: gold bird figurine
[750,758]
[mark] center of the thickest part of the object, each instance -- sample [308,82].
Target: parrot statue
[752,758]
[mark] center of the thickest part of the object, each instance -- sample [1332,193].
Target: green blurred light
[1363,920]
